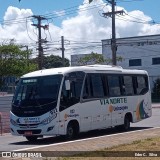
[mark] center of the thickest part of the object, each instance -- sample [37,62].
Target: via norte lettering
[113,101]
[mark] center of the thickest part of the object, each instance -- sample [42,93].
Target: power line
[49,15]
[28,32]
[22,20]
[53,15]
[69,11]
[130,20]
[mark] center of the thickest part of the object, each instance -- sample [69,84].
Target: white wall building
[142,52]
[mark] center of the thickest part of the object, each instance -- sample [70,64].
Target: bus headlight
[47,120]
[52,116]
[13,122]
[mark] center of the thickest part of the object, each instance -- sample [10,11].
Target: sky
[82,24]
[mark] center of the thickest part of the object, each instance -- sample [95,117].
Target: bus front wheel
[72,130]
[31,138]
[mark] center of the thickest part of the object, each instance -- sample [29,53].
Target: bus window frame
[105,85]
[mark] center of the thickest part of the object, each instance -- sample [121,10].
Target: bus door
[70,97]
[85,113]
[105,114]
[116,103]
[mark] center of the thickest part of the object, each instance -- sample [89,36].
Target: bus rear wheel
[31,138]
[125,126]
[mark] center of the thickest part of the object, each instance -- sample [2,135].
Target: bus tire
[72,131]
[125,126]
[31,138]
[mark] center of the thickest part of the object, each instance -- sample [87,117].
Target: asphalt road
[10,143]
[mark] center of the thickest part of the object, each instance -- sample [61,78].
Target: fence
[4,122]
[5,106]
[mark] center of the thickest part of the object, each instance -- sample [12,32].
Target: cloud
[15,13]
[15,29]
[88,25]
[59,13]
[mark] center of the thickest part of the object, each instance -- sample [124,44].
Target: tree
[14,62]
[95,58]
[54,62]
[156,90]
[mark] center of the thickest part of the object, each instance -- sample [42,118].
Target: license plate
[28,133]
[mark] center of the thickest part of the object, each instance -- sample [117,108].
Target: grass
[149,144]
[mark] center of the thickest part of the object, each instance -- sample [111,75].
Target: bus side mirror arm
[16,82]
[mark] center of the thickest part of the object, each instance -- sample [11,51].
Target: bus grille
[28,125]
[37,131]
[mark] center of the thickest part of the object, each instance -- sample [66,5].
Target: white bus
[70,100]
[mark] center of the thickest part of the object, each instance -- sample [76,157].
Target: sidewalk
[93,144]
[101,142]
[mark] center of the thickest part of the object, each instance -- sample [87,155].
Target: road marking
[84,139]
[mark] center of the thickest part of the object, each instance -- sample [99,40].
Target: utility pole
[40,48]
[27,55]
[62,48]
[113,40]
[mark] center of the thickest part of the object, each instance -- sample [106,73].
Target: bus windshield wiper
[16,105]
[46,104]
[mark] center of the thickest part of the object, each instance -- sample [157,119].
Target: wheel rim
[127,124]
[70,132]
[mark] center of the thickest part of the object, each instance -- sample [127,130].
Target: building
[141,52]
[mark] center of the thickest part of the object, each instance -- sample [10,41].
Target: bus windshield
[37,92]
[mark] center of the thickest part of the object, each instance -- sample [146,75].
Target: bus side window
[142,85]
[72,96]
[128,85]
[64,98]
[86,94]
[114,85]
[97,88]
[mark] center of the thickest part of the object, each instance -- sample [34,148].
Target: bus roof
[87,69]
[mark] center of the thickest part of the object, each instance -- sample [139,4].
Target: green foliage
[156,91]
[13,61]
[96,59]
[54,62]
